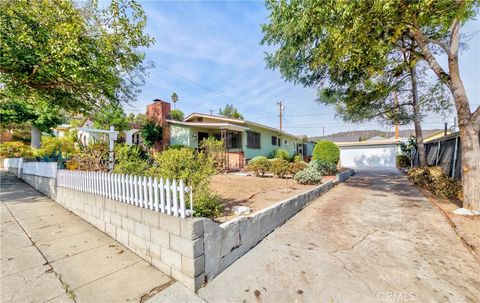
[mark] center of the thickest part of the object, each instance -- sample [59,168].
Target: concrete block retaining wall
[191,250]
[44,185]
[227,242]
[344,176]
[173,245]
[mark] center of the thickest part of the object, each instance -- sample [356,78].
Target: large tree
[328,43]
[401,96]
[112,115]
[230,111]
[74,56]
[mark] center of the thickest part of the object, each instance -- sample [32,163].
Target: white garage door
[368,156]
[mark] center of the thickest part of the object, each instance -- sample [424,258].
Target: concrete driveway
[374,238]
[48,254]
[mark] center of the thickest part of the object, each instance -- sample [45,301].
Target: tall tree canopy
[230,111]
[69,55]
[112,115]
[349,46]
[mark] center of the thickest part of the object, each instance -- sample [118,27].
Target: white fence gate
[158,195]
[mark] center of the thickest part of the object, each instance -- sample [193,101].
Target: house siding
[188,135]
[266,146]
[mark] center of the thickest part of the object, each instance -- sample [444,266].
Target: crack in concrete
[65,285]
[356,243]
[145,297]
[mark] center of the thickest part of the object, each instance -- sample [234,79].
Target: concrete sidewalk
[48,254]
[374,238]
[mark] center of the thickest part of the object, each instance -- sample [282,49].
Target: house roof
[239,121]
[376,138]
[226,125]
[369,143]
[63,127]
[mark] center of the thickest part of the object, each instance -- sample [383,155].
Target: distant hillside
[367,134]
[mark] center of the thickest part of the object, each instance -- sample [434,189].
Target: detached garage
[368,153]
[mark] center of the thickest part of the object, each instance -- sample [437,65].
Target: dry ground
[373,238]
[254,192]
[467,227]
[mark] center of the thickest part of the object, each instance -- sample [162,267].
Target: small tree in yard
[345,44]
[151,132]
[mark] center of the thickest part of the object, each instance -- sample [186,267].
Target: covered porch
[230,134]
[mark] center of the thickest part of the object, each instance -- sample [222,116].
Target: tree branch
[454,38]
[428,56]
[476,115]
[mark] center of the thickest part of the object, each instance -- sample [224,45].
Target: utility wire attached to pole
[281,108]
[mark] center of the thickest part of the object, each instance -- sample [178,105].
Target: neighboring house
[132,136]
[62,130]
[244,139]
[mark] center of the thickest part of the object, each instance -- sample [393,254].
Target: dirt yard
[467,227]
[254,192]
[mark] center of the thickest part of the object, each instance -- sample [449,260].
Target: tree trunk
[470,145]
[469,128]
[35,137]
[417,119]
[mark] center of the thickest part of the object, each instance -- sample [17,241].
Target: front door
[201,136]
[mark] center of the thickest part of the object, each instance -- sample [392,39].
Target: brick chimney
[159,112]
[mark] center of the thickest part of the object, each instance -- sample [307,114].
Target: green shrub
[194,168]
[279,167]
[326,151]
[191,166]
[403,161]
[254,159]
[177,115]
[297,158]
[325,168]
[308,176]
[207,204]
[15,149]
[177,146]
[216,149]
[56,148]
[93,157]
[282,154]
[295,167]
[259,165]
[434,180]
[151,132]
[131,160]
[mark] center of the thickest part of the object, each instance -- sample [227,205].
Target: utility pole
[211,112]
[323,131]
[281,108]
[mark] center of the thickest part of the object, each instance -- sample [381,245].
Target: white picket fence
[158,195]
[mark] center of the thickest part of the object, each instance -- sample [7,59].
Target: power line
[194,82]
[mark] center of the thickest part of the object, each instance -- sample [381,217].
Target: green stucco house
[243,139]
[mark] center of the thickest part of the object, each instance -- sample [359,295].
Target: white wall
[369,156]
[42,169]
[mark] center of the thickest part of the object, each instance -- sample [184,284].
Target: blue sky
[209,54]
